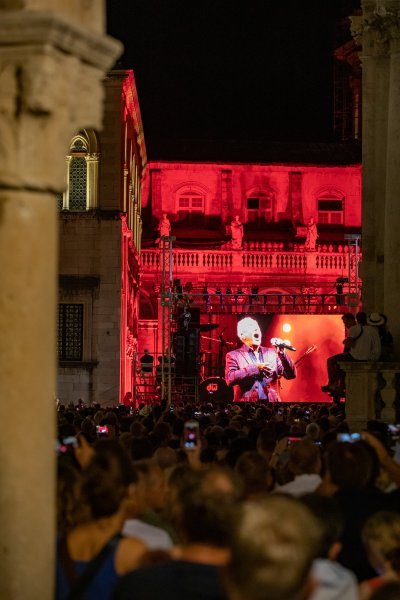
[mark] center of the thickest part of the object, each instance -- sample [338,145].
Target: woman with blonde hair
[381,536]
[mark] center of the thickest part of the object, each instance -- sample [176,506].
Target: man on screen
[253,368]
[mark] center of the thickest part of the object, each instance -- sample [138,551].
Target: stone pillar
[51,70]
[361,386]
[379,32]
[392,212]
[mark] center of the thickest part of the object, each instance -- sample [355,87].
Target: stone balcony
[326,261]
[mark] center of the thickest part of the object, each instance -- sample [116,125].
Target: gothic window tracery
[82,164]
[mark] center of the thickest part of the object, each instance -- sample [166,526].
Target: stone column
[51,72]
[361,386]
[392,212]
[379,31]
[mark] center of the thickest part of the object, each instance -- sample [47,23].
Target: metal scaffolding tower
[353,241]
[167,303]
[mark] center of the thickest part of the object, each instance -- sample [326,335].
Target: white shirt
[368,345]
[334,582]
[301,485]
[154,537]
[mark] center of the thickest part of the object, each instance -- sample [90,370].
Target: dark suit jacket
[243,374]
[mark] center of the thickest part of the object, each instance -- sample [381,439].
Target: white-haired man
[253,369]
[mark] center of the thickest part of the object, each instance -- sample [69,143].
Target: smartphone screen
[348,437]
[292,439]
[394,430]
[102,429]
[67,445]
[191,435]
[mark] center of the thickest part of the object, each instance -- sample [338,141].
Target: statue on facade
[236,233]
[164,227]
[312,235]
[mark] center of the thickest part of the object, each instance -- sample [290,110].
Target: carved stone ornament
[377,28]
[51,74]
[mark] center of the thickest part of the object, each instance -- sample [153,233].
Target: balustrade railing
[326,259]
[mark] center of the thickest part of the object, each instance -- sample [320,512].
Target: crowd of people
[256,502]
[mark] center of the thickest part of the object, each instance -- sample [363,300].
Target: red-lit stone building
[113,270]
[274,190]
[100,233]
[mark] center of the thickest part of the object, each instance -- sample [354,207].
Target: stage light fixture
[286,327]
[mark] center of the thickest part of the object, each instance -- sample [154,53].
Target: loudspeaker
[186,351]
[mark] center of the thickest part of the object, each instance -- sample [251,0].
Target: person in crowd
[69,507]
[92,556]
[253,368]
[273,546]
[379,321]
[386,461]
[145,521]
[362,343]
[350,469]
[204,520]
[304,464]
[141,447]
[387,591]
[166,457]
[255,474]
[313,431]
[146,363]
[153,489]
[381,536]
[266,441]
[333,582]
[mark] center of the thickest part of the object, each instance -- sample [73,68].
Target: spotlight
[286,327]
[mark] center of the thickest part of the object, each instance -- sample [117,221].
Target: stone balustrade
[325,261]
[366,383]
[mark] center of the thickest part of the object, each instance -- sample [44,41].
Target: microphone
[278,343]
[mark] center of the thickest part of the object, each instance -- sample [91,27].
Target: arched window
[260,206]
[330,209]
[77,188]
[189,202]
[82,174]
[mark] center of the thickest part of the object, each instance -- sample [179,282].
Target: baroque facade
[273,268]
[100,233]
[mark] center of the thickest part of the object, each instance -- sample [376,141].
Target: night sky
[231,70]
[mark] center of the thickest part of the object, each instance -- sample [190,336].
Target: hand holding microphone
[282,345]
